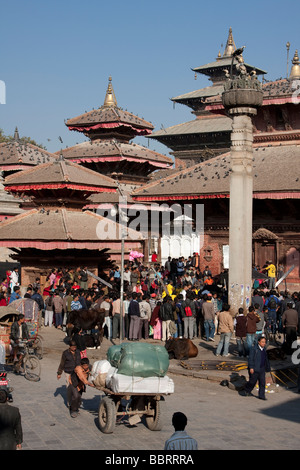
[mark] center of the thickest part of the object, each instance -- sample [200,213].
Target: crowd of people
[159,302]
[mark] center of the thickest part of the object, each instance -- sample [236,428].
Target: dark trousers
[290,337]
[116,325]
[144,325]
[259,376]
[75,397]
[126,326]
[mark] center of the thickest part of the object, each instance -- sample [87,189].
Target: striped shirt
[180,440]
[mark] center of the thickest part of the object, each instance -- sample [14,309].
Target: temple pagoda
[16,155]
[109,150]
[209,134]
[204,177]
[54,231]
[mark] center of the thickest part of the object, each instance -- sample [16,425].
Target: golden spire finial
[110,98]
[230,45]
[295,70]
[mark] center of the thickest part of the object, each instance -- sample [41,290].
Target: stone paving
[219,418]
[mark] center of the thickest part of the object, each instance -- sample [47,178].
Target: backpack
[143,312]
[272,304]
[188,311]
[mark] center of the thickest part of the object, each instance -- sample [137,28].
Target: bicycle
[28,361]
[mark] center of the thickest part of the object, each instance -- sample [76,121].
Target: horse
[87,319]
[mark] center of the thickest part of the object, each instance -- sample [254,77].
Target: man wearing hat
[258,365]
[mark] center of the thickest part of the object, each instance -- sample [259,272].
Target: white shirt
[183,293]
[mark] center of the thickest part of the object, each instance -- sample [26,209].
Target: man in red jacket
[252,319]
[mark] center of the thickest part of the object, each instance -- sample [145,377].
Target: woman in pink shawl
[155,322]
[6,282]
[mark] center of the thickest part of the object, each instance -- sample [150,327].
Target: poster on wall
[226,256]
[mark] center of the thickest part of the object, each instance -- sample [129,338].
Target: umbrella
[257,275]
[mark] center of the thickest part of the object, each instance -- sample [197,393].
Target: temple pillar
[241,98]
[240,209]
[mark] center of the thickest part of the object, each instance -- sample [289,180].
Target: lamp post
[241,97]
[122,219]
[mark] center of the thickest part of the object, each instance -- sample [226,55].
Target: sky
[57,56]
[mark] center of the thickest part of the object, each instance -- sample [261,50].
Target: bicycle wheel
[38,347]
[32,368]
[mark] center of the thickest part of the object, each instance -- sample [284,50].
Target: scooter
[4,383]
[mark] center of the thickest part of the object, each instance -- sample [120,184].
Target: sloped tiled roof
[39,226]
[17,154]
[111,114]
[206,124]
[275,169]
[60,171]
[106,150]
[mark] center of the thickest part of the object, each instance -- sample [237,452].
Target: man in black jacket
[134,316]
[258,365]
[19,331]
[166,315]
[11,435]
[70,359]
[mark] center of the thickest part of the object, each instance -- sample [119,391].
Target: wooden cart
[116,406]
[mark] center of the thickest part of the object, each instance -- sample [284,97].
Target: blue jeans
[58,319]
[272,282]
[209,326]
[249,341]
[224,342]
[242,348]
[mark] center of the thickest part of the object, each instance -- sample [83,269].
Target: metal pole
[122,287]
[288,45]
[122,220]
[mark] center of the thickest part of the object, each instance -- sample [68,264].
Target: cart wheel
[38,347]
[107,415]
[32,368]
[154,423]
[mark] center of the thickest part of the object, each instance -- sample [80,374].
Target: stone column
[241,101]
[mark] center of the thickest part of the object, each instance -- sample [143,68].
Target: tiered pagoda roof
[109,150]
[16,155]
[209,134]
[59,191]
[212,127]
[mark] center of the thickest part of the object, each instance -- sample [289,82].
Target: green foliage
[22,140]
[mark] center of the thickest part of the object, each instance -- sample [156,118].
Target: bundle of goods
[120,383]
[99,372]
[139,359]
[134,368]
